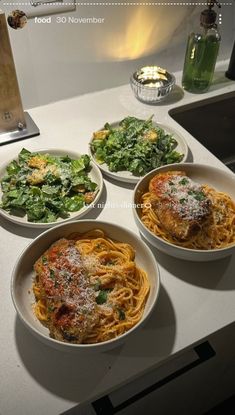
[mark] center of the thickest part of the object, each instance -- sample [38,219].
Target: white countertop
[196,299]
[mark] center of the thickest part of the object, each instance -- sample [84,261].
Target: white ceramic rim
[94,346]
[128,177]
[73,215]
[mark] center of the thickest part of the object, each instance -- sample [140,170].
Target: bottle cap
[208,18]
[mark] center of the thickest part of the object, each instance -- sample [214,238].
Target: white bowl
[127,176]
[22,278]
[94,174]
[219,179]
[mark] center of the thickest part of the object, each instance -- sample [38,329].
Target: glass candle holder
[151,84]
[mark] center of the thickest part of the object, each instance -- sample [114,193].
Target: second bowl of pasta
[187,211]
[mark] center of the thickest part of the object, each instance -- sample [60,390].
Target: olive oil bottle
[201,53]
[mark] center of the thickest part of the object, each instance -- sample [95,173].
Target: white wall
[56,61]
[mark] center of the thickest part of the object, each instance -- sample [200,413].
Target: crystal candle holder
[152,84]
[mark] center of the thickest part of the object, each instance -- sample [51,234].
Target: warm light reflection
[147,31]
[193,53]
[136,41]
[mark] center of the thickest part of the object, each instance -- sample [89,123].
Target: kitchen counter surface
[196,299]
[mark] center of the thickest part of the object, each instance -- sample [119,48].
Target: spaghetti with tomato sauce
[88,288]
[188,214]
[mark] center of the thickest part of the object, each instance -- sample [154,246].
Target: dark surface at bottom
[225,408]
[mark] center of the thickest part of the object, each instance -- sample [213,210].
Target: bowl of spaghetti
[85,285]
[187,211]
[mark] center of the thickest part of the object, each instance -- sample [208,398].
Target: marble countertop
[196,299]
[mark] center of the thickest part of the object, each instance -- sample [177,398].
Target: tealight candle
[152,83]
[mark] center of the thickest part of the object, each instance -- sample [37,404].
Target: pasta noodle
[216,232]
[105,297]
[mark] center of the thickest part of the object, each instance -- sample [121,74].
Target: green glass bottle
[201,54]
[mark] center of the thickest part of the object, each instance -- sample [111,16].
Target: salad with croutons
[45,187]
[135,145]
